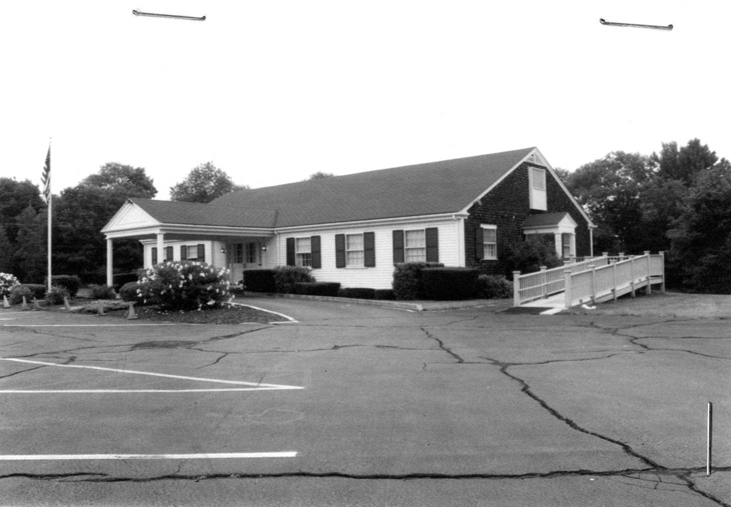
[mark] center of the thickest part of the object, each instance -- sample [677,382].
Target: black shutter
[398,247]
[479,244]
[183,252]
[340,250]
[432,244]
[168,253]
[202,253]
[154,255]
[369,249]
[315,250]
[290,252]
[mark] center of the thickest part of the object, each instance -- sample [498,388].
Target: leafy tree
[204,183]
[30,255]
[610,190]
[122,179]
[319,175]
[701,237]
[685,163]
[6,252]
[15,196]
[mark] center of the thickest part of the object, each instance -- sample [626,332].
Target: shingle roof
[193,213]
[416,190]
[544,220]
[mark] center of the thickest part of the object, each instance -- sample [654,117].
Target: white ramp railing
[613,279]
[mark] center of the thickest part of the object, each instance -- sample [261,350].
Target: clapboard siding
[380,276]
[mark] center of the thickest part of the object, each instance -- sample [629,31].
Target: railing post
[614,280]
[543,282]
[593,283]
[662,270]
[620,255]
[649,284]
[632,274]
[516,288]
[605,259]
[567,288]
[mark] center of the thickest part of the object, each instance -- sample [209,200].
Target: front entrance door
[244,256]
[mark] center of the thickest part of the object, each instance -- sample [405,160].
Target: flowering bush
[7,281]
[187,285]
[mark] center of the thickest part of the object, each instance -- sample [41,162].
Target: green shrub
[122,279]
[71,283]
[384,294]
[186,285]
[494,287]
[128,291]
[103,292]
[449,284]
[317,288]
[357,293]
[56,295]
[260,280]
[29,290]
[286,276]
[7,282]
[528,256]
[407,279]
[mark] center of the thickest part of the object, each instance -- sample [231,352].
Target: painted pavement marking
[228,455]
[253,386]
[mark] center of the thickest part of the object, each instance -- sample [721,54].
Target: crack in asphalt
[442,346]
[22,371]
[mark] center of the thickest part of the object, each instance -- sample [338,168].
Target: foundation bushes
[102,292]
[494,287]
[71,283]
[285,277]
[357,293]
[407,279]
[448,284]
[260,280]
[121,279]
[56,295]
[29,290]
[317,288]
[384,294]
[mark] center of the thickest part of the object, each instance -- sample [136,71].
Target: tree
[701,237]
[30,255]
[122,179]
[6,252]
[686,163]
[610,190]
[319,175]
[204,183]
[15,196]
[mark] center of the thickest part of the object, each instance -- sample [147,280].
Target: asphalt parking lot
[365,405]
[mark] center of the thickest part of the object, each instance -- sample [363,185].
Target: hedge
[285,277]
[317,288]
[260,280]
[494,287]
[29,290]
[357,293]
[122,279]
[71,283]
[384,294]
[449,284]
[102,292]
[407,279]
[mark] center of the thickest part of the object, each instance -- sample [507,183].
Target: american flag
[46,177]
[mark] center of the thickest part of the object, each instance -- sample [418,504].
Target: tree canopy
[122,179]
[204,183]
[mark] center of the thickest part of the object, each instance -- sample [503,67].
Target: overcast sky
[274,91]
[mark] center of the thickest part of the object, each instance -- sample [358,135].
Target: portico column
[110,260]
[160,247]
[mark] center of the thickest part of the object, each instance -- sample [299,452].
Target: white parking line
[166,375]
[227,455]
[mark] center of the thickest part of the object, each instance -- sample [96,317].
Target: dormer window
[537,183]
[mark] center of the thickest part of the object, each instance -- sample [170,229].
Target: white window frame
[486,243]
[358,253]
[415,253]
[537,188]
[188,250]
[302,255]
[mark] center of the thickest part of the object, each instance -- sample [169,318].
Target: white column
[110,260]
[557,241]
[160,247]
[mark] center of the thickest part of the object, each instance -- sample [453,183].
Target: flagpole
[50,210]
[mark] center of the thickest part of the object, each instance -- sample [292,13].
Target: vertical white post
[593,283]
[516,288]
[567,288]
[161,247]
[649,285]
[50,243]
[709,438]
[110,263]
[662,270]
[614,280]
[632,274]
[544,289]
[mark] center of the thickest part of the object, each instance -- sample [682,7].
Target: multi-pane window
[489,242]
[238,253]
[192,253]
[251,253]
[354,251]
[539,178]
[538,194]
[415,246]
[303,252]
[566,245]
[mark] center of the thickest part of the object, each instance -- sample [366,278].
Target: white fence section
[592,279]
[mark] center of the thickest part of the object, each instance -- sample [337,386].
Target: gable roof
[416,190]
[193,213]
